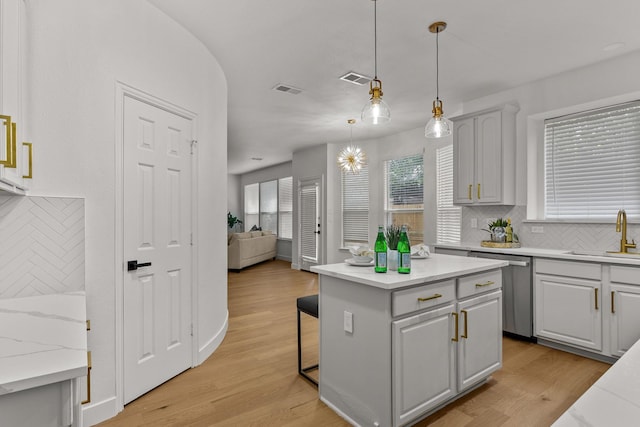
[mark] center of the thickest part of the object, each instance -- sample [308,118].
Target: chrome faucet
[621,224]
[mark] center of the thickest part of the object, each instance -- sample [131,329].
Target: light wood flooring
[252,380]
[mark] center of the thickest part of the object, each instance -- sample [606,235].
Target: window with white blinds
[251,205]
[269,206]
[355,207]
[592,163]
[404,194]
[449,217]
[285,208]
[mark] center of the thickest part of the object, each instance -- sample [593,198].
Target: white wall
[78,50]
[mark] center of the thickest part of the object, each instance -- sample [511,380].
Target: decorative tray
[490,244]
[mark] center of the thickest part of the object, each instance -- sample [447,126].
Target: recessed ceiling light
[256,158]
[356,78]
[280,87]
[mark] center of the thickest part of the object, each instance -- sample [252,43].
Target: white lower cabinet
[480,341]
[590,306]
[424,363]
[624,308]
[568,310]
[447,350]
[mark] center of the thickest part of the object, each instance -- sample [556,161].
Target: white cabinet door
[12,87]
[489,158]
[423,363]
[464,161]
[568,310]
[480,345]
[624,317]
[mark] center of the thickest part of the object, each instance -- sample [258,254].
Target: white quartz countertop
[43,340]
[435,267]
[613,400]
[576,255]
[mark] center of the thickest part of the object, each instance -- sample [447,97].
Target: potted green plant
[232,221]
[497,229]
[392,235]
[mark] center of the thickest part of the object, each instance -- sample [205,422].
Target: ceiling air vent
[356,78]
[286,88]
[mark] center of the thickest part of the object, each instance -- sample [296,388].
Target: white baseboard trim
[210,346]
[295,266]
[95,413]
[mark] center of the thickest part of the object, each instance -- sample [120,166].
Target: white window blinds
[592,163]
[448,216]
[355,207]
[269,206]
[251,205]
[404,194]
[285,208]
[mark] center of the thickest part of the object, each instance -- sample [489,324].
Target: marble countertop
[613,400]
[577,255]
[435,267]
[43,340]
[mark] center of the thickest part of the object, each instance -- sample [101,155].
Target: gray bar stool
[308,305]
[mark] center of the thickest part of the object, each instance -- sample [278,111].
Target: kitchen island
[396,347]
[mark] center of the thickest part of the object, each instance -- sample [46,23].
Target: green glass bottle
[404,252]
[380,249]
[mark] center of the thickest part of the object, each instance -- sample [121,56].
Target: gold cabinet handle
[613,307]
[489,283]
[30,147]
[434,296]
[10,160]
[455,315]
[596,297]
[465,334]
[478,191]
[88,400]
[470,186]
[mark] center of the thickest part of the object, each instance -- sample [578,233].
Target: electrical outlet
[474,222]
[348,322]
[537,229]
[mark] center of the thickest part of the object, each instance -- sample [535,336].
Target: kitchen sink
[605,253]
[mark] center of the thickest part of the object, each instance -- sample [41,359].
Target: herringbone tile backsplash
[41,245]
[569,236]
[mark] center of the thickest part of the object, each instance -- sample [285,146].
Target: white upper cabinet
[484,157]
[15,152]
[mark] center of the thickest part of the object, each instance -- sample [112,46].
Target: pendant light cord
[375,38]
[437,65]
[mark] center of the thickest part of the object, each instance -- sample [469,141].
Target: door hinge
[193,144]
[191,239]
[192,329]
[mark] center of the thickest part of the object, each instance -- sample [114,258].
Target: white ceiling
[488,46]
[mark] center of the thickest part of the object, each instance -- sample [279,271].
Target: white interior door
[157,231]
[310,225]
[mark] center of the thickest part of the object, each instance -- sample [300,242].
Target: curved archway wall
[78,50]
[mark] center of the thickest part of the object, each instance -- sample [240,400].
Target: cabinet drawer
[585,270]
[479,283]
[421,297]
[629,275]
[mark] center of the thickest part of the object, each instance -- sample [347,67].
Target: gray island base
[395,348]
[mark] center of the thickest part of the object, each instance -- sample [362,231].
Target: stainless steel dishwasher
[517,294]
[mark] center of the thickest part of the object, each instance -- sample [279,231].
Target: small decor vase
[392,259]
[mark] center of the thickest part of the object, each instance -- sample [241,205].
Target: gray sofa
[252,247]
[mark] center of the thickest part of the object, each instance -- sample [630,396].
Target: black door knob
[133,265]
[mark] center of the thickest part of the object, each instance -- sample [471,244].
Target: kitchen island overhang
[415,341]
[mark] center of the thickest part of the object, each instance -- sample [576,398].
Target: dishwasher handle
[519,263]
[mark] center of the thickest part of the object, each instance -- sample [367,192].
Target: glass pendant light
[375,111]
[352,158]
[439,126]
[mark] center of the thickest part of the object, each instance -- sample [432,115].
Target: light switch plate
[348,322]
[537,229]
